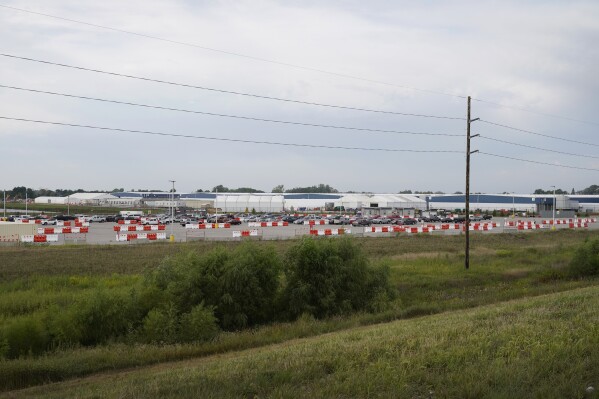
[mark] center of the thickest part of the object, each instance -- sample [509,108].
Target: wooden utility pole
[467,197]
[467,221]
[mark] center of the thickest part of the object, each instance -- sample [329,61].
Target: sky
[531,65]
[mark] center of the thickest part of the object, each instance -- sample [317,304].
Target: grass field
[427,272]
[545,347]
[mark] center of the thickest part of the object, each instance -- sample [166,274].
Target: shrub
[161,325]
[332,276]
[24,336]
[199,325]
[98,316]
[586,260]
[241,285]
[166,325]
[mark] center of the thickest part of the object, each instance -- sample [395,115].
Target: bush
[166,325]
[24,336]
[586,260]
[94,319]
[199,325]
[332,276]
[240,285]
[161,325]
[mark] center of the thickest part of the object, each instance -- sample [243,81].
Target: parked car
[234,222]
[97,219]
[49,222]
[487,217]
[409,221]
[361,222]
[65,217]
[111,218]
[151,221]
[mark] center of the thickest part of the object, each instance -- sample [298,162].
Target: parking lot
[103,233]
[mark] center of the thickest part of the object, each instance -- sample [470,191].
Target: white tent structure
[249,202]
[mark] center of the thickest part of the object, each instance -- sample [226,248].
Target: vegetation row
[191,297]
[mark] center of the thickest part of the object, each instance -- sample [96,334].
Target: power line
[347,76]
[250,57]
[538,134]
[537,162]
[147,132]
[535,112]
[536,148]
[230,116]
[230,91]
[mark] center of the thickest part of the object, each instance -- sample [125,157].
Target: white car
[151,221]
[97,218]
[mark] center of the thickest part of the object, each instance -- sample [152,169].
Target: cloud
[534,55]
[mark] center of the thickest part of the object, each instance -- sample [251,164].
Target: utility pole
[172,237]
[467,198]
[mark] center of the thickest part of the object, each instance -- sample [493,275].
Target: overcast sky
[540,56]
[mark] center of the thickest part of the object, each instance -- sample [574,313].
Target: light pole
[68,204]
[26,201]
[172,238]
[513,205]
[553,225]
[4,203]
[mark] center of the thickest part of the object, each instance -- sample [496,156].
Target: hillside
[547,346]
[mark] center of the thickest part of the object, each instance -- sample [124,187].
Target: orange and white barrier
[39,238]
[558,221]
[378,229]
[67,223]
[415,230]
[315,222]
[452,226]
[9,238]
[128,221]
[578,224]
[62,230]
[140,236]
[481,226]
[29,221]
[137,227]
[530,226]
[203,226]
[245,233]
[267,224]
[330,232]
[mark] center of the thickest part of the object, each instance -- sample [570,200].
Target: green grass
[427,271]
[545,347]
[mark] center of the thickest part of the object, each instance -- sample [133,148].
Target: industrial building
[370,204]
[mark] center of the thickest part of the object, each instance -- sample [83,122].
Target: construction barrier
[128,221]
[9,238]
[62,230]
[330,232]
[315,222]
[140,236]
[480,226]
[569,221]
[203,226]
[245,233]
[579,224]
[29,221]
[453,226]
[137,227]
[267,224]
[39,238]
[379,229]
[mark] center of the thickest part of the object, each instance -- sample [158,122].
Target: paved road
[103,233]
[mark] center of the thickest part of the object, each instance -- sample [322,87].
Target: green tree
[220,189]
[332,276]
[278,189]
